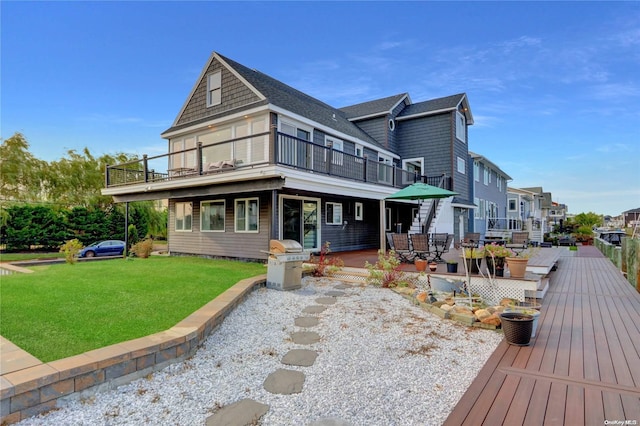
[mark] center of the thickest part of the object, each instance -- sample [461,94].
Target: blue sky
[554,87]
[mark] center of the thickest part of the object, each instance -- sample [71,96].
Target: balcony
[256,151]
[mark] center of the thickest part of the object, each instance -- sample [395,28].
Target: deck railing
[253,150]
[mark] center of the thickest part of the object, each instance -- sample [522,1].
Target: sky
[554,87]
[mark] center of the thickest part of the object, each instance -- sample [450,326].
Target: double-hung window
[336,148]
[214,89]
[212,216]
[184,213]
[246,215]
[334,214]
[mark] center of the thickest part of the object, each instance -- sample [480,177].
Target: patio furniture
[471,240]
[421,247]
[519,242]
[402,247]
[390,240]
[440,244]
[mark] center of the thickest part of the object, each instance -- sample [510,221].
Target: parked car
[103,248]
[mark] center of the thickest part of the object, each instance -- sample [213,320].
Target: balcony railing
[254,150]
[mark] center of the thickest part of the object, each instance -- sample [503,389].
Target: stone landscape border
[37,389]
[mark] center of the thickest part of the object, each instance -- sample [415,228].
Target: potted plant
[528,311]
[495,255]
[452,266]
[472,257]
[433,266]
[421,264]
[517,327]
[518,264]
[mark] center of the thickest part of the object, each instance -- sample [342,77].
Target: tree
[589,220]
[20,172]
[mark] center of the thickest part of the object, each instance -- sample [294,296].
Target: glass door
[300,222]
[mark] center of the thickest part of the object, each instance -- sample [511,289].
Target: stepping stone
[244,412]
[330,300]
[306,321]
[284,382]
[329,422]
[300,357]
[342,286]
[314,309]
[305,337]
[335,293]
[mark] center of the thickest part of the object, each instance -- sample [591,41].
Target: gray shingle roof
[298,102]
[375,107]
[446,103]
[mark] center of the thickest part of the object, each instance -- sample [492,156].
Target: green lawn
[13,257]
[63,310]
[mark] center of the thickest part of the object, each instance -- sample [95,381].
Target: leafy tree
[34,226]
[20,172]
[87,224]
[588,220]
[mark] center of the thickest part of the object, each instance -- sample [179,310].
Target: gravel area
[381,361]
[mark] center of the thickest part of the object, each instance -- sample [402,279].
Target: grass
[15,257]
[63,310]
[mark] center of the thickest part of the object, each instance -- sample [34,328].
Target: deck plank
[583,366]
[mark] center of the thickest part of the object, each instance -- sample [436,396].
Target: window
[212,216]
[359,211]
[513,205]
[334,214]
[387,219]
[184,153]
[490,175]
[246,215]
[476,212]
[392,124]
[337,146]
[476,171]
[214,89]
[183,216]
[499,182]
[385,168]
[359,150]
[486,176]
[461,127]
[462,166]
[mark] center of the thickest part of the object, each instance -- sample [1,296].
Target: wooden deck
[583,366]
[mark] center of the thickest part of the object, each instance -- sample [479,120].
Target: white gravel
[382,361]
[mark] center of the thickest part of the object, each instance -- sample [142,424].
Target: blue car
[103,248]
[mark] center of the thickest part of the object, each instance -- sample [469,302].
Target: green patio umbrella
[421,191]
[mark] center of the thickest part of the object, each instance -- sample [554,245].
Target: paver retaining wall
[37,389]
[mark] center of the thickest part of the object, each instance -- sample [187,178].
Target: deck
[583,366]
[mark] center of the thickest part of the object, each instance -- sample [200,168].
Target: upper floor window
[476,171]
[462,166]
[336,145]
[513,205]
[359,150]
[183,216]
[461,127]
[214,89]
[486,176]
[499,182]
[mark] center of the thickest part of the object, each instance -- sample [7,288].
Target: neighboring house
[556,215]
[524,211]
[489,195]
[251,159]
[631,218]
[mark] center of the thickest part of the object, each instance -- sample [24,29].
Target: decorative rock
[305,337]
[462,310]
[450,301]
[446,307]
[330,300]
[300,357]
[439,303]
[335,293]
[306,321]
[314,309]
[482,313]
[493,319]
[244,412]
[422,297]
[284,382]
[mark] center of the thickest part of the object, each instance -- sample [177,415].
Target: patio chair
[519,242]
[390,240]
[420,244]
[471,240]
[440,244]
[402,247]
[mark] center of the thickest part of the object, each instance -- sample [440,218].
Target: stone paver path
[306,321]
[300,357]
[284,382]
[314,309]
[244,412]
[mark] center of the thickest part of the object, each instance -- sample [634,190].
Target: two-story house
[252,159]
[489,186]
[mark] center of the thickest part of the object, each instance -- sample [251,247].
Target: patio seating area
[429,247]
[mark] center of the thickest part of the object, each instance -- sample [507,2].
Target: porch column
[383,236]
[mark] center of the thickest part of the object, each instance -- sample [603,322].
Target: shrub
[325,263]
[71,248]
[386,272]
[143,248]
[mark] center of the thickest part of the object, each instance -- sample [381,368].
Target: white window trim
[359,211]
[476,171]
[359,147]
[515,200]
[461,125]
[318,202]
[485,176]
[224,216]
[337,206]
[175,220]
[338,146]
[462,166]
[235,216]
[214,86]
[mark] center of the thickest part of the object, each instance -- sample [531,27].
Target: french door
[300,221]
